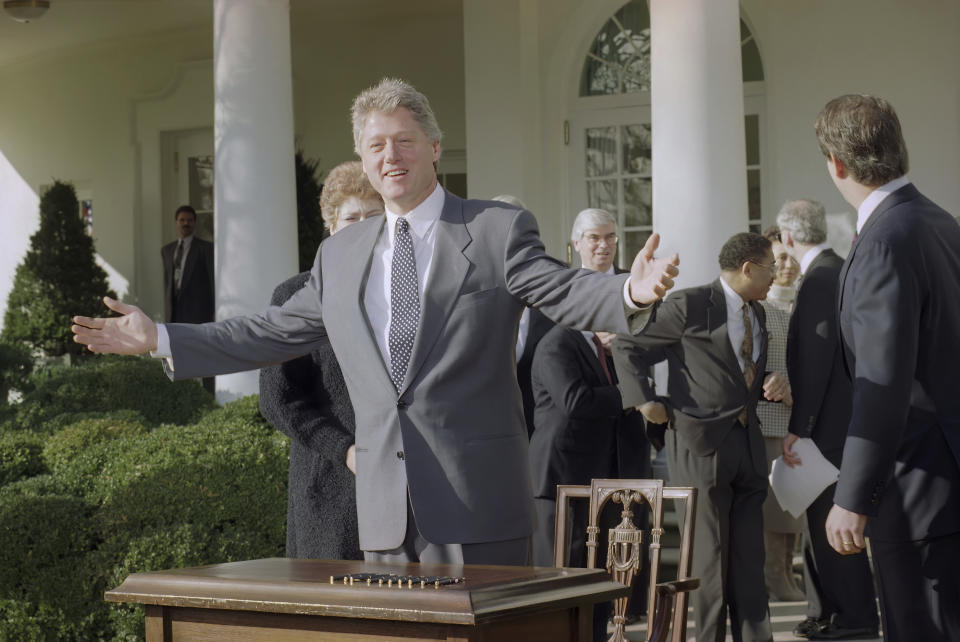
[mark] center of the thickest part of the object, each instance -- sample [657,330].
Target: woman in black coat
[306,399]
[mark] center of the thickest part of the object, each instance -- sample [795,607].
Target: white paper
[796,488]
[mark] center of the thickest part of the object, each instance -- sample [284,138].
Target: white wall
[812,51]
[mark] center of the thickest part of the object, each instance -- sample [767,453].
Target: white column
[699,154]
[255,186]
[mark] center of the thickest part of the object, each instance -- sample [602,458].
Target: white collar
[735,302]
[811,254]
[876,197]
[422,217]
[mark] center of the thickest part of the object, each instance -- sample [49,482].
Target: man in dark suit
[188,276]
[581,431]
[841,602]
[533,326]
[421,307]
[714,340]
[899,314]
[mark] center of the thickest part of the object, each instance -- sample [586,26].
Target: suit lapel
[365,246]
[717,324]
[589,354]
[447,272]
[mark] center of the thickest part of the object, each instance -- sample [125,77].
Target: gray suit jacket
[454,436]
[707,390]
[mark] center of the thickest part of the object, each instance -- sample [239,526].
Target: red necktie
[602,355]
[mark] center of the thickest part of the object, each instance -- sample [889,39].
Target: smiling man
[714,340]
[421,307]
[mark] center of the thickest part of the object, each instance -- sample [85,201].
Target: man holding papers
[839,588]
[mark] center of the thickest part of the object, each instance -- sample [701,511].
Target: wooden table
[286,600]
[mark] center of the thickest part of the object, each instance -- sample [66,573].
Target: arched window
[610,132]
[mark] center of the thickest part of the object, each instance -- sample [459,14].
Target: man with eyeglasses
[714,340]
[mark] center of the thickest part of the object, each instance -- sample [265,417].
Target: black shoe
[809,626]
[835,631]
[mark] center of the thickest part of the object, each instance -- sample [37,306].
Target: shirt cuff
[163,346]
[637,316]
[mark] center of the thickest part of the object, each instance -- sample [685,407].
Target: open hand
[650,277]
[132,333]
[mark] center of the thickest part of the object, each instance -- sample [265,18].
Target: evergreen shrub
[58,278]
[104,384]
[20,456]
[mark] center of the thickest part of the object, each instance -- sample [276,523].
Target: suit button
[399,454]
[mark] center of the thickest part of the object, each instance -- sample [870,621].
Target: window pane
[637,202]
[752,126]
[619,57]
[602,194]
[601,151]
[752,66]
[631,244]
[636,149]
[753,194]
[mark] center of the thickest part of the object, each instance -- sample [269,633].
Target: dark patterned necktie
[746,353]
[177,265]
[404,303]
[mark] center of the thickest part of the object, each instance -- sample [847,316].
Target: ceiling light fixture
[26,10]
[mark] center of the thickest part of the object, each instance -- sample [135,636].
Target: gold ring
[847,542]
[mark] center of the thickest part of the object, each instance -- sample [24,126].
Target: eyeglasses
[771,267]
[594,239]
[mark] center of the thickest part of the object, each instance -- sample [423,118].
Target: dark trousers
[919,586]
[728,539]
[834,583]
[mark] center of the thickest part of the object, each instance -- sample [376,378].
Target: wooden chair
[625,542]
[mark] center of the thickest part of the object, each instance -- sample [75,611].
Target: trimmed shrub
[58,278]
[62,395]
[44,547]
[119,499]
[15,368]
[20,456]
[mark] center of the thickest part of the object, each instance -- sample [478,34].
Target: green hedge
[102,488]
[106,384]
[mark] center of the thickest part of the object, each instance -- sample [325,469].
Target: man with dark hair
[188,276]
[840,598]
[715,343]
[899,313]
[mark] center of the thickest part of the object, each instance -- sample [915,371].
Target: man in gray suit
[714,339]
[421,307]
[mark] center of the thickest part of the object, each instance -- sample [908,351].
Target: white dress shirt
[377,296]
[875,197]
[735,327]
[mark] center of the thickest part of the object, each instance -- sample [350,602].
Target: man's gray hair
[590,218]
[805,220]
[386,97]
